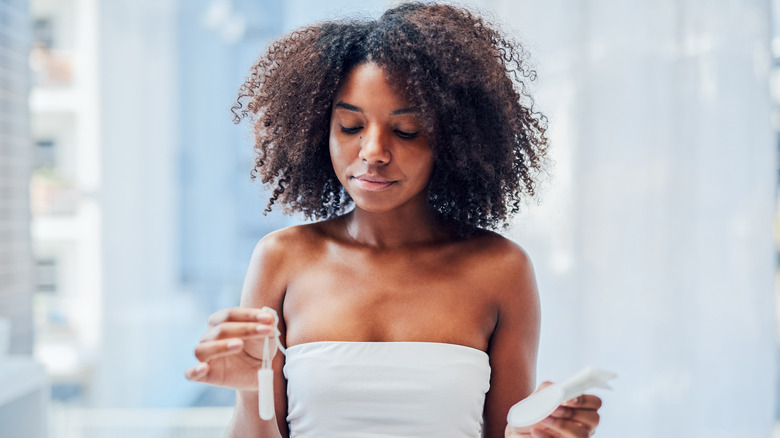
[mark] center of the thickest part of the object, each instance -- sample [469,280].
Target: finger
[564,412]
[207,351]
[241,314]
[543,385]
[197,373]
[567,428]
[517,432]
[542,432]
[238,330]
[588,417]
[585,401]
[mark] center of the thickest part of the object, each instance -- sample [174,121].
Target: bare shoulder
[506,271]
[276,259]
[498,255]
[287,244]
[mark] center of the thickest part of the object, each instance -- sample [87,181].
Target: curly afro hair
[467,80]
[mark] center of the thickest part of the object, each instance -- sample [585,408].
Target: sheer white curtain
[653,244]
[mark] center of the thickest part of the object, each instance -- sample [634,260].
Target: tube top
[385,389]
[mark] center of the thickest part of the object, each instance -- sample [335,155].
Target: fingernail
[261,328]
[263,316]
[548,420]
[200,368]
[233,344]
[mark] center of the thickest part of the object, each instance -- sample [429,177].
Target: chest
[392,297]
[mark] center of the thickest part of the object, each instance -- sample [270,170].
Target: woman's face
[378,146]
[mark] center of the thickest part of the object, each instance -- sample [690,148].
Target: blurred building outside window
[65,213]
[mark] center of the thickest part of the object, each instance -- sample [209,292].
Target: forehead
[369,83]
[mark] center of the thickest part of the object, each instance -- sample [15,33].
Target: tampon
[265,375]
[539,405]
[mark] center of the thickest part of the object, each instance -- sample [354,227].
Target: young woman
[407,137]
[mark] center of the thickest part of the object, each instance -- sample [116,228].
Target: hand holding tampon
[230,351]
[557,408]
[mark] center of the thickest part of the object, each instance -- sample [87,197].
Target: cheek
[429,172]
[425,164]
[338,155]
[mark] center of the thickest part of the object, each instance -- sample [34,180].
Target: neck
[394,229]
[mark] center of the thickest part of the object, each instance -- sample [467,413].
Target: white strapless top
[385,389]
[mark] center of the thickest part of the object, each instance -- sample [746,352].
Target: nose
[373,149]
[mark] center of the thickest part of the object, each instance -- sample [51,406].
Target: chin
[373,207]
[374,202]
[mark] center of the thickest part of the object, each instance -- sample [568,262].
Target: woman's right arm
[230,351]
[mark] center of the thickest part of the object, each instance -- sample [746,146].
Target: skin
[387,271]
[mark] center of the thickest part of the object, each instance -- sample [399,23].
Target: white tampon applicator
[539,405]
[265,375]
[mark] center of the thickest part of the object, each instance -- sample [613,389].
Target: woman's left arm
[513,350]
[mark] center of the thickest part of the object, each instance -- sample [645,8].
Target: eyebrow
[356,109]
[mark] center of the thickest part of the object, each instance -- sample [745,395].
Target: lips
[372,183]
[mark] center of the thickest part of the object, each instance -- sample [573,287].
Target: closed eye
[354,130]
[406,135]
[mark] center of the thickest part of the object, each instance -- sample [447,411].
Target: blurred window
[43,33]
[46,275]
[45,153]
